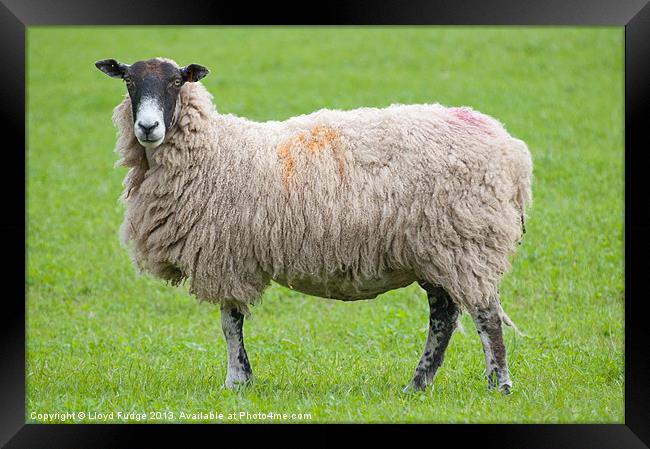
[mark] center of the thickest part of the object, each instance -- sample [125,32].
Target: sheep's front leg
[488,325]
[443,313]
[239,369]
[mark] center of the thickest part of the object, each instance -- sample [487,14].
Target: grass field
[102,339]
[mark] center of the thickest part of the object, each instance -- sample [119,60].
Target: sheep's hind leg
[488,325]
[239,369]
[443,313]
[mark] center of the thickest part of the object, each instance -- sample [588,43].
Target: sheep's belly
[342,287]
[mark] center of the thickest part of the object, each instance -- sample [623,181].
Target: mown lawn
[103,339]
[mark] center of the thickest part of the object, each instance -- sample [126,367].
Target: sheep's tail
[505,319]
[523,167]
[459,325]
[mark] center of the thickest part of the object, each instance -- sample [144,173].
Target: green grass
[103,339]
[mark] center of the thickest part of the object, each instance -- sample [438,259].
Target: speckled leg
[239,370]
[443,313]
[488,325]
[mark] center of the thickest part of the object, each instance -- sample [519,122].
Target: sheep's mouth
[150,143]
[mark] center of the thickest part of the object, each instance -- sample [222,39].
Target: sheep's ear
[112,68]
[193,72]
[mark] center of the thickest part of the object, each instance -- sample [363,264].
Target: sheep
[338,204]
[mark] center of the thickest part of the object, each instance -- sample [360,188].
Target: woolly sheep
[337,204]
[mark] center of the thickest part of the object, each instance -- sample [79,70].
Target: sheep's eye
[177,82]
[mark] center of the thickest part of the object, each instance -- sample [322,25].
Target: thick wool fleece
[340,204]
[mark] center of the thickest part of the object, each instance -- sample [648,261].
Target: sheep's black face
[153,86]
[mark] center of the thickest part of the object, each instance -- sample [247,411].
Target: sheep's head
[153,86]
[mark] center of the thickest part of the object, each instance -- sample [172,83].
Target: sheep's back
[404,189]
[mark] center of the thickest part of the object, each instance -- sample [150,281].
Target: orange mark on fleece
[284,152]
[315,140]
[320,137]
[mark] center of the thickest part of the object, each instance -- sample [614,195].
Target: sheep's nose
[147,127]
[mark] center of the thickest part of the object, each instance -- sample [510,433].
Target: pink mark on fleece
[468,116]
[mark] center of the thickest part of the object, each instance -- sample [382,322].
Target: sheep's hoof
[505,388]
[414,386]
[238,384]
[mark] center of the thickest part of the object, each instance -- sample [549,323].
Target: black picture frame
[634,15]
